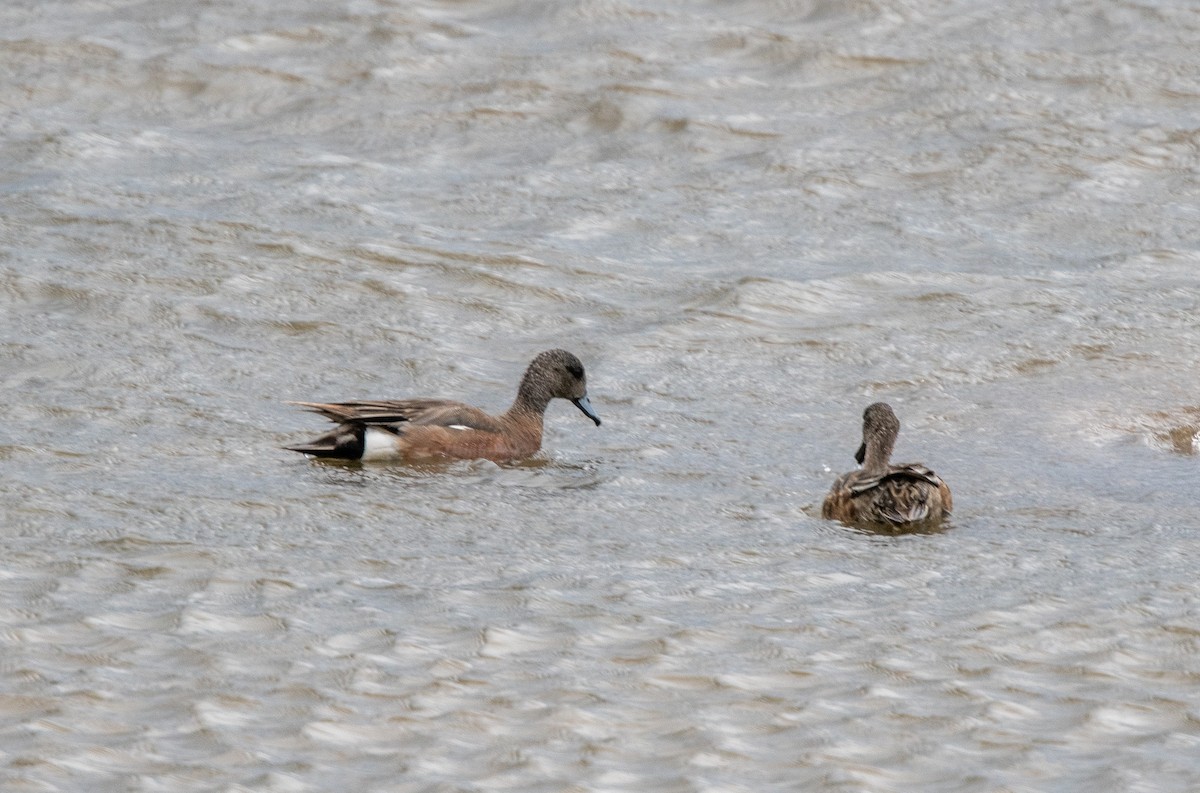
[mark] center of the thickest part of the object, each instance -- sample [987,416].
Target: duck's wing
[860,482]
[901,495]
[392,412]
[839,503]
[916,471]
[857,482]
[908,493]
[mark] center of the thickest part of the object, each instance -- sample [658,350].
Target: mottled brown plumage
[422,429]
[881,495]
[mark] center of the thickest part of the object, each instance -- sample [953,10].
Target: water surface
[750,220]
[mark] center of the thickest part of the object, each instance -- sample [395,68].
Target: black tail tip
[323,452]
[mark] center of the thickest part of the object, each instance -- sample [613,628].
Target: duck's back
[901,496]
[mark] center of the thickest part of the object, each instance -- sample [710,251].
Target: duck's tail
[344,443]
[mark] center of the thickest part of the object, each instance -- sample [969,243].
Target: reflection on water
[749,219]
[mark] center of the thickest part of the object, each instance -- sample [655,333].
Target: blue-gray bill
[583,404]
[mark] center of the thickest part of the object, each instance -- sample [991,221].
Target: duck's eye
[576,370]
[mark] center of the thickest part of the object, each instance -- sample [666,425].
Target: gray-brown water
[749,219]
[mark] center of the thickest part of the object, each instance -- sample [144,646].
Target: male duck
[422,429]
[882,495]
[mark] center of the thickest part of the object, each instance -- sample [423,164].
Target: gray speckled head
[555,374]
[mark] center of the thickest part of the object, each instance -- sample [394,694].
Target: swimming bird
[882,495]
[430,429]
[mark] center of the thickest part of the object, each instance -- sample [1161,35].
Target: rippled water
[749,219]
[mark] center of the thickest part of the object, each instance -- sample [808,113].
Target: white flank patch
[457,427]
[378,445]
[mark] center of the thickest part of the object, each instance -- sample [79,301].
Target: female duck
[882,495]
[424,429]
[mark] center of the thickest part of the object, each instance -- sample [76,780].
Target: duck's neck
[878,453]
[532,399]
[525,420]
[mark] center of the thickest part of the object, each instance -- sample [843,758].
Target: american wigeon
[422,429]
[882,495]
